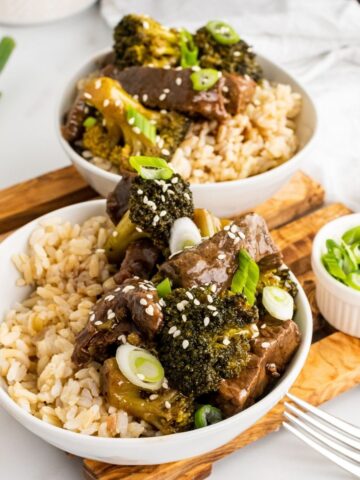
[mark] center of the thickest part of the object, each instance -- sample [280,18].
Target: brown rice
[66,266]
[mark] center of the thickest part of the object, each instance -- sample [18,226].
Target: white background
[321,44]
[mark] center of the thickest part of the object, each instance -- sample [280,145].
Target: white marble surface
[30,85]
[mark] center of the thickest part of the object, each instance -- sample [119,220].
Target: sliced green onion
[246,277]
[7,45]
[333,266]
[207,415]
[278,302]
[189,51]
[184,233]
[334,248]
[355,248]
[204,79]
[164,288]
[352,235]
[151,168]
[138,121]
[222,32]
[353,280]
[89,122]
[140,367]
[349,263]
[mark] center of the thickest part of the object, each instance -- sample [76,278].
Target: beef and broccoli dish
[156,319]
[199,100]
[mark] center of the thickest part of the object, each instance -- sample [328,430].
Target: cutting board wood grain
[294,215]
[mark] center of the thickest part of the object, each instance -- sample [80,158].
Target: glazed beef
[215,260]
[140,260]
[132,306]
[271,351]
[117,202]
[173,90]
[73,127]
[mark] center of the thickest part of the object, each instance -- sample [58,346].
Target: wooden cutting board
[294,215]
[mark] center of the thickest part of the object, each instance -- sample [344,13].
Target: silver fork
[337,440]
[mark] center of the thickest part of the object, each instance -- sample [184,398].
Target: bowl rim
[210,186]
[297,362]
[318,247]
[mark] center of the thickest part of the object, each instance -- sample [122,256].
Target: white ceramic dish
[339,304]
[223,198]
[144,450]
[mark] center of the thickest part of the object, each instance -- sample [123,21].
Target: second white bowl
[224,199]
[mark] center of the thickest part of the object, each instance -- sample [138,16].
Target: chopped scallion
[246,277]
[151,168]
[207,415]
[89,122]
[7,45]
[138,121]
[164,288]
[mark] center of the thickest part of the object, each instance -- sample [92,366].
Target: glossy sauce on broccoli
[204,338]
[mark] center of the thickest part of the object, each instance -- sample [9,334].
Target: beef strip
[134,305]
[215,260]
[271,351]
[140,260]
[73,126]
[117,202]
[229,95]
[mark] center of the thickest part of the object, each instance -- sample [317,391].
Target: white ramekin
[224,199]
[339,304]
[137,451]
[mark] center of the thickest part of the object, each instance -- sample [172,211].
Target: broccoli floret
[204,338]
[155,204]
[235,58]
[140,40]
[124,395]
[116,135]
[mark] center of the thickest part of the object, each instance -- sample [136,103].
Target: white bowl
[143,450]
[224,199]
[339,304]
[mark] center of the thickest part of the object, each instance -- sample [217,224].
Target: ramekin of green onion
[336,264]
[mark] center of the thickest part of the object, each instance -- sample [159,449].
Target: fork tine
[341,462]
[334,421]
[339,448]
[323,427]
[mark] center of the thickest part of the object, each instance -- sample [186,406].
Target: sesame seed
[140,376]
[221,256]
[87,154]
[187,196]
[213,288]
[226,341]
[136,97]
[163,111]
[98,322]
[231,235]
[167,404]
[156,218]
[236,53]
[265,345]
[136,130]
[189,295]
[143,301]
[122,338]
[146,25]
[241,235]
[165,384]
[118,102]
[162,213]
[206,321]
[145,97]
[92,317]
[149,296]
[163,199]
[162,97]
[166,67]
[196,302]
[131,121]
[153,396]
[225,88]
[166,90]
[115,233]
[87,95]
[145,199]
[138,229]
[110,314]
[185,344]
[106,102]
[234,228]
[177,333]
[100,250]
[236,241]
[178,81]
[172,330]
[263,325]
[139,191]
[162,302]
[98,84]
[215,314]
[226,228]
[117,289]
[150,310]
[195,68]
[165,151]
[211,307]
[109,298]
[183,317]
[209,299]
[127,288]
[174,180]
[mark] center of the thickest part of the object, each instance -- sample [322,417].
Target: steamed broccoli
[149,406]
[140,40]
[126,127]
[156,204]
[204,338]
[235,58]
